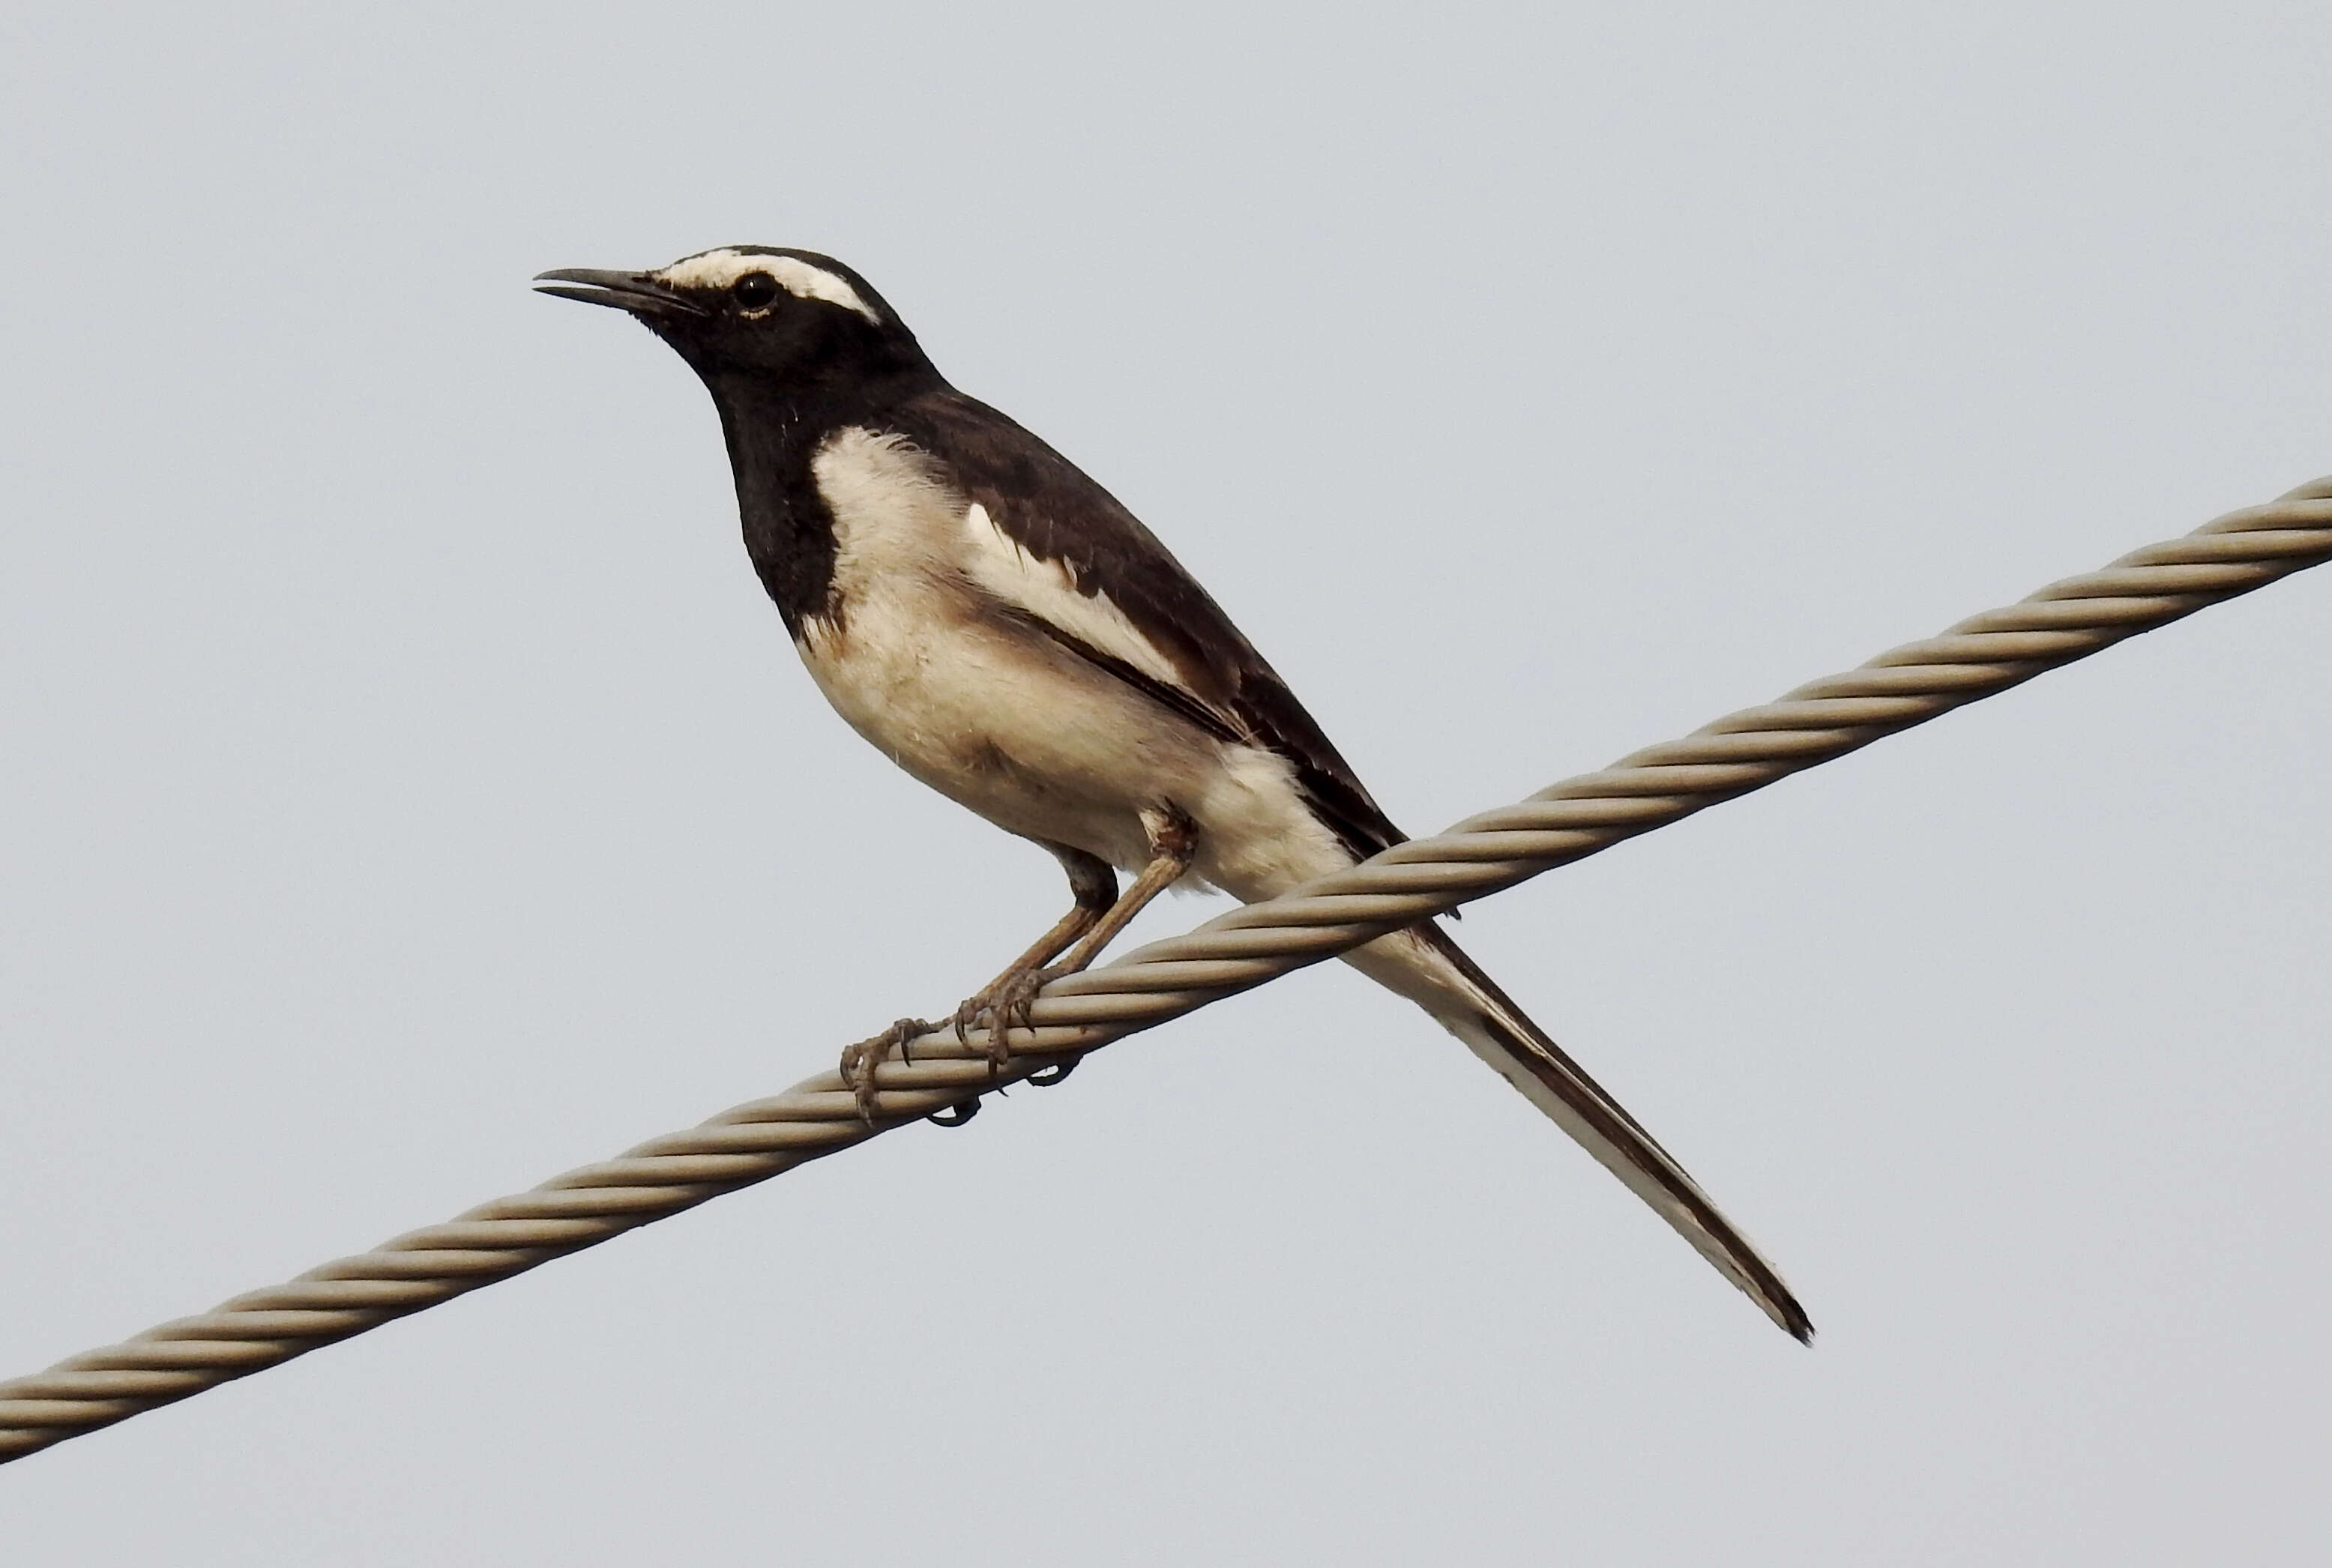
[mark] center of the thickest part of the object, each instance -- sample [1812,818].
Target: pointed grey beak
[635,291]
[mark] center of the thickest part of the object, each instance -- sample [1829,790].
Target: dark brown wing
[1049,508]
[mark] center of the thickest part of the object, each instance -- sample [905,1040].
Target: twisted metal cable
[1740,752]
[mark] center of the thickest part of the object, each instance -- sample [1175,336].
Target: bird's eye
[754,290]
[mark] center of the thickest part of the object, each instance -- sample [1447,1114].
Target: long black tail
[1425,965]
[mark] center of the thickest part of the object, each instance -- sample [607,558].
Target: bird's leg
[1094,887]
[1005,1000]
[1174,841]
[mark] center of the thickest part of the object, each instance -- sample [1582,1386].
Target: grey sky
[407,792]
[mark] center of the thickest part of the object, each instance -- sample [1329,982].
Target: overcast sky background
[407,792]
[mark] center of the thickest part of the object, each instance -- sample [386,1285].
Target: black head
[755,313]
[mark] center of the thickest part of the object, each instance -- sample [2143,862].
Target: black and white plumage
[1001,627]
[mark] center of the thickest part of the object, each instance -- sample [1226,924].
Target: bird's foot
[1005,1004]
[859,1061]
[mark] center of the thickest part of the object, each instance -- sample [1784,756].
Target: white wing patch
[719,269]
[1049,590]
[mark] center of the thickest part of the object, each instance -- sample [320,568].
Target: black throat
[774,429]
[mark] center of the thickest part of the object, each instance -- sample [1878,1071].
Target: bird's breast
[929,649]
[914,654]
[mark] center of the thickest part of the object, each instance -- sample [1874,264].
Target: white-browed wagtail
[997,625]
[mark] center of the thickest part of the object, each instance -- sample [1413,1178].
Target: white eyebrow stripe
[719,269]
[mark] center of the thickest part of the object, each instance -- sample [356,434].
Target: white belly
[1045,745]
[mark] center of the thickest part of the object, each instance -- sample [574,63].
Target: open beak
[635,291]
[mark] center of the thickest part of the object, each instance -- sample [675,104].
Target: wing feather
[1184,651]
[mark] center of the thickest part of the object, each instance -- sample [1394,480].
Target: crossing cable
[1740,752]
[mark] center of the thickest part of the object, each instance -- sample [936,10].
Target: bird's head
[755,311]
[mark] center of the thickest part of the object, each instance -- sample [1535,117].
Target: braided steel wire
[1736,754]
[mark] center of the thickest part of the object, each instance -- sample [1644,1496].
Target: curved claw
[1045,1078]
[964,1111]
[1008,1003]
[859,1061]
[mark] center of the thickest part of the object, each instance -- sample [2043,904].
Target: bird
[1000,626]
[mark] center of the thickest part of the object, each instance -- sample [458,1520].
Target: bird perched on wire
[1001,627]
